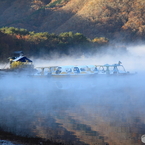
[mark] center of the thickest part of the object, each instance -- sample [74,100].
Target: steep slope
[103,17]
[94,18]
[61,16]
[17,13]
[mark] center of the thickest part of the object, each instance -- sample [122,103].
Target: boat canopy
[22,59]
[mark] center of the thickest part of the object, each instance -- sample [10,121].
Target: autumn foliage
[43,43]
[113,19]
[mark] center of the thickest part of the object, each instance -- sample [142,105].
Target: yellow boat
[18,63]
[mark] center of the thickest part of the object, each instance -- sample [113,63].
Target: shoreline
[10,138]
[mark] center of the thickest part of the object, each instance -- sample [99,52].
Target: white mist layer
[133,60]
[25,102]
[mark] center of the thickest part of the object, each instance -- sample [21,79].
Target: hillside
[122,19]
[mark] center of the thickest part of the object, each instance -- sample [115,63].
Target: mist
[44,107]
[132,59]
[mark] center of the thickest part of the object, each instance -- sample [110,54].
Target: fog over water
[82,110]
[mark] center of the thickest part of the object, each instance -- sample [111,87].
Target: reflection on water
[109,112]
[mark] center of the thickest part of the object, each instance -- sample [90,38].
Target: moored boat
[82,70]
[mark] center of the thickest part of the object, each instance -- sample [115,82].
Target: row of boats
[81,70]
[20,63]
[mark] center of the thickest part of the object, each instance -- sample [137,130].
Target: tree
[100,40]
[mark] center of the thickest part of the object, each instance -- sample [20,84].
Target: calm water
[80,111]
